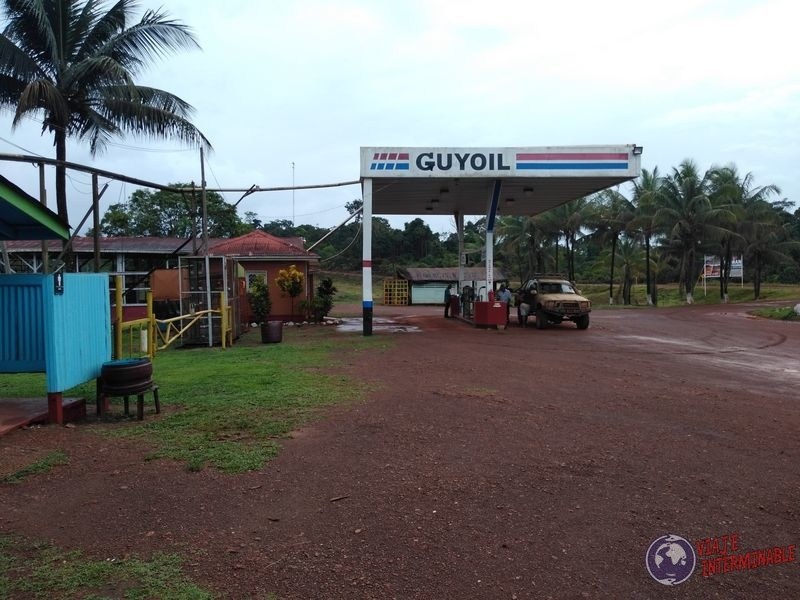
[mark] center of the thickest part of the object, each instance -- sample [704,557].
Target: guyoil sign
[498,162]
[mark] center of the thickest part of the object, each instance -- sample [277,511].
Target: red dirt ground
[485,464]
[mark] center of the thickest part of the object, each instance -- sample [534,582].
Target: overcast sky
[309,83]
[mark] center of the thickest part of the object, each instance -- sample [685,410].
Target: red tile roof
[262,244]
[256,243]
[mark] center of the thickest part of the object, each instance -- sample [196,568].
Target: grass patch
[35,570]
[230,408]
[349,287]
[668,294]
[42,465]
[783,314]
[236,404]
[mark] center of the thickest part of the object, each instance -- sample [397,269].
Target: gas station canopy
[481,181]
[446,181]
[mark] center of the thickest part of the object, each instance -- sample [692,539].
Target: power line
[9,142]
[151,150]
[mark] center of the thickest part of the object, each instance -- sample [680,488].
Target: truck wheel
[541,319]
[582,322]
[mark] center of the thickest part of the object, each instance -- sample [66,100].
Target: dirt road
[485,464]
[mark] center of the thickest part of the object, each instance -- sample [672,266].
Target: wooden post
[43,200]
[118,316]
[223,312]
[55,407]
[151,327]
[96,222]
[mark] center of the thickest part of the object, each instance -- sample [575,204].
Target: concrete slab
[19,412]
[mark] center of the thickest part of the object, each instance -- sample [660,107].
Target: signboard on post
[712,269]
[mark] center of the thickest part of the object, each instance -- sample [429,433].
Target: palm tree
[647,194]
[688,217]
[72,64]
[612,216]
[569,219]
[739,196]
[766,239]
[521,242]
[629,252]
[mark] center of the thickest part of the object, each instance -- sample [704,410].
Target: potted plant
[261,305]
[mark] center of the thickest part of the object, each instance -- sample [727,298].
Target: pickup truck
[551,299]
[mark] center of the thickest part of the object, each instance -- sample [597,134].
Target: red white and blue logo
[571,161]
[390,161]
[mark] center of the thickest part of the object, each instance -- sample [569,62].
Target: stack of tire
[127,376]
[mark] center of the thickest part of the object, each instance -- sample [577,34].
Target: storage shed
[427,284]
[53,323]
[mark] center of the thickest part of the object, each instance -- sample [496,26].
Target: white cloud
[309,82]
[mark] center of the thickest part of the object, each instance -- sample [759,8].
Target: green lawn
[668,294]
[226,409]
[230,408]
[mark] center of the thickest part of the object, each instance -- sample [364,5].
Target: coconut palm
[521,242]
[568,219]
[72,64]
[647,194]
[766,239]
[740,197]
[612,214]
[688,217]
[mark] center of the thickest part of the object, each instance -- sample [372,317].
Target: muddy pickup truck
[551,299]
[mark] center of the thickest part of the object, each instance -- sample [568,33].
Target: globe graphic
[670,559]
[672,554]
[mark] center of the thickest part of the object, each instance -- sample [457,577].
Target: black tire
[582,322]
[126,372]
[541,319]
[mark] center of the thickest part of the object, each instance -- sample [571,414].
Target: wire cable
[358,233]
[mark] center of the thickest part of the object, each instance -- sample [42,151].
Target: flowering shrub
[290,282]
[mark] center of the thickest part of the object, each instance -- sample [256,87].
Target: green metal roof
[22,217]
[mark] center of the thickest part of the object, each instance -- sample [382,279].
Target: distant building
[137,258]
[426,285]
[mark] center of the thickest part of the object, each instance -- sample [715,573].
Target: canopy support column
[366,262]
[462,259]
[491,213]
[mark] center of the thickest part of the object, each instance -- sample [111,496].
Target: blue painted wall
[21,324]
[68,335]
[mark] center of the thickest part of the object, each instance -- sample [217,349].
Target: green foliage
[42,465]
[321,304]
[171,214]
[73,65]
[290,281]
[259,299]
[33,570]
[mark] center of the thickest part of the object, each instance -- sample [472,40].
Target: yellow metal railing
[147,335]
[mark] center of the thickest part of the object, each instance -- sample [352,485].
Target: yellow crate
[395,292]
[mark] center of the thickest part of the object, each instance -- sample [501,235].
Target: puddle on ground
[378,325]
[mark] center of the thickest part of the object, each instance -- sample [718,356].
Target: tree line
[656,231]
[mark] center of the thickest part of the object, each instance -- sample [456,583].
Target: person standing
[504,295]
[448,294]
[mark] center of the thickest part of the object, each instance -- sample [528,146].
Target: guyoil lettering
[448,161]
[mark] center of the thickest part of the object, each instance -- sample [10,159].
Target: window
[253,275]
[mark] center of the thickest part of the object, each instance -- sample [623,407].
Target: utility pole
[203,200]
[292,193]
